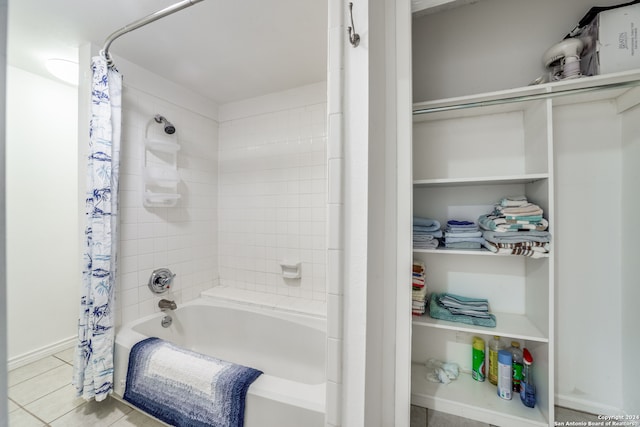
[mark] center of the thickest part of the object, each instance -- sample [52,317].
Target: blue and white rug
[187,389]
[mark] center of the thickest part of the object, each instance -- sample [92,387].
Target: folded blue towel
[438,311]
[454,222]
[434,234]
[463,234]
[424,228]
[463,245]
[479,240]
[426,222]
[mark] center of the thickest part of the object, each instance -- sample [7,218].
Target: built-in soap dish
[290,270]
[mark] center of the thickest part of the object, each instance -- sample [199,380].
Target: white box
[615,33]
[618,39]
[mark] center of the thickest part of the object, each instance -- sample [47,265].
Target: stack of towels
[462,235]
[419,289]
[516,227]
[426,232]
[456,308]
[514,214]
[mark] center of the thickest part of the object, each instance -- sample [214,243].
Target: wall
[630,255]
[41,195]
[182,238]
[477,53]
[273,191]
[587,238]
[335,220]
[3,278]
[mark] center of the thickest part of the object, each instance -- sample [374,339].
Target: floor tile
[32,370]
[12,406]
[418,416]
[55,404]
[137,419]
[35,388]
[66,355]
[21,418]
[440,419]
[564,414]
[94,414]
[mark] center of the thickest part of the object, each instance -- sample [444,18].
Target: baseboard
[585,405]
[32,356]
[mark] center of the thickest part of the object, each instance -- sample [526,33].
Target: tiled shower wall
[182,238]
[273,192]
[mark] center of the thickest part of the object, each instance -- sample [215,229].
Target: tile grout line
[20,407]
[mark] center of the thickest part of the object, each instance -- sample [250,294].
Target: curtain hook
[354,38]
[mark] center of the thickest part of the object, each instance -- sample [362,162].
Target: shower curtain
[93,361]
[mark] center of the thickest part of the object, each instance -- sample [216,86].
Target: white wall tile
[151,238]
[272,194]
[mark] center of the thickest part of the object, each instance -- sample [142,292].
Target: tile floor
[41,394]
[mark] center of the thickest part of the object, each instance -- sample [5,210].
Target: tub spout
[166,304]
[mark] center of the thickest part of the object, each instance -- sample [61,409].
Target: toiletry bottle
[527,387]
[516,360]
[495,345]
[477,362]
[504,374]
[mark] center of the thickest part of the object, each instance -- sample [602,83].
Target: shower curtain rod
[142,22]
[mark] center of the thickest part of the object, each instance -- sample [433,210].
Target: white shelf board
[485,180]
[479,252]
[468,398]
[423,7]
[516,326]
[502,101]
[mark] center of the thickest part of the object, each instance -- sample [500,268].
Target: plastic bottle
[504,374]
[516,357]
[477,362]
[527,387]
[495,345]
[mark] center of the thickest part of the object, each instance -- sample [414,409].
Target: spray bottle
[527,387]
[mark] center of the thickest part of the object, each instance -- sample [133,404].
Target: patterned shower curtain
[93,364]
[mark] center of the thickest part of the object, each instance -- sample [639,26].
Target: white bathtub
[288,347]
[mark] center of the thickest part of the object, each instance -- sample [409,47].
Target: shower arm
[142,22]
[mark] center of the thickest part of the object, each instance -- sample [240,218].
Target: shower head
[168,127]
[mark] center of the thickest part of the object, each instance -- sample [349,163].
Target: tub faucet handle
[166,280]
[161,280]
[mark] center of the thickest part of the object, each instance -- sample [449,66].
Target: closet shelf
[480,252]
[454,182]
[516,326]
[471,399]
[569,91]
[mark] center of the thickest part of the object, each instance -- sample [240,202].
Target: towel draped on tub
[184,388]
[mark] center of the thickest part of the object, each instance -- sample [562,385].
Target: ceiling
[227,50]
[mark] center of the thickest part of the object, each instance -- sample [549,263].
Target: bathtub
[288,347]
